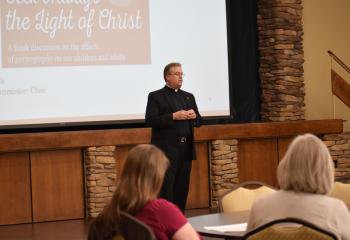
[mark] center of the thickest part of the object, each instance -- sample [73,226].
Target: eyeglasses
[177,74]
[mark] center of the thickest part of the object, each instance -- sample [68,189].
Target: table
[215,219]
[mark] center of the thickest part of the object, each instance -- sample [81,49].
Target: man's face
[174,77]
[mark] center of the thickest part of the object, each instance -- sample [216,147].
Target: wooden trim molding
[120,137]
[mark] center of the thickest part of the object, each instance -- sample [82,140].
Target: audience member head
[141,178]
[140,181]
[306,167]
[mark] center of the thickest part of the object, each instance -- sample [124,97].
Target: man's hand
[184,115]
[191,114]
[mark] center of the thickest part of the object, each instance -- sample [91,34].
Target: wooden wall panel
[199,193]
[121,154]
[57,185]
[283,144]
[15,198]
[257,160]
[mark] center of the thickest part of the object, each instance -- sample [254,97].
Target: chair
[241,198]
[289,229]
[134,229]
[341,191]
[130,228]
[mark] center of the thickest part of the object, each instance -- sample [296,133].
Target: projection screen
[78,61]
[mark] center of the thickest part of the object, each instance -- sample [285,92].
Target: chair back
[241,197]
[341,191]
[134,229]
[289,229]
[129,228]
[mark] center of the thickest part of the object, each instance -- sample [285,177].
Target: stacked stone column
[281,71]
[224,170]
[100,173]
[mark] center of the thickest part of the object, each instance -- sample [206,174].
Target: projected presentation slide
[78,61]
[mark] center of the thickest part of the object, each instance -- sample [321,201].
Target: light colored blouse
[328,213]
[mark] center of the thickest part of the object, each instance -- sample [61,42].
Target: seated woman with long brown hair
[136,194]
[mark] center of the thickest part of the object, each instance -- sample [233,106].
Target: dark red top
[163,217]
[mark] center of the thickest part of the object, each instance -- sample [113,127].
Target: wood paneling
[119,137]
[57,185]
[268,129]
[15,198]
[258,160]
[59,230]
[283,144]
[199,185]
[121,154]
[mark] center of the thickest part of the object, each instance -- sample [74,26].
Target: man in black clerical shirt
[172,113]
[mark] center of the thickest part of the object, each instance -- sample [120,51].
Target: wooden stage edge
[131,136]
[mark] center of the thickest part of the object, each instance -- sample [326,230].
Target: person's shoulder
[186,93]
[162,203]
[268,200]
[166,209]
[158,91]
[164,206]
[325,201]
[335,202]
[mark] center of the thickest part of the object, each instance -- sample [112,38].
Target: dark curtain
[243,62]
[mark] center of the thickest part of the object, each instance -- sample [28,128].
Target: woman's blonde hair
[306,167]
[140,181]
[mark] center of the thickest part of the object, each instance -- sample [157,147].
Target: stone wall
[101,174]
[281,70]
[339,147]
[224,170]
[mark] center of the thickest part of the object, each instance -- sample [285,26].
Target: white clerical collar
[175,89]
